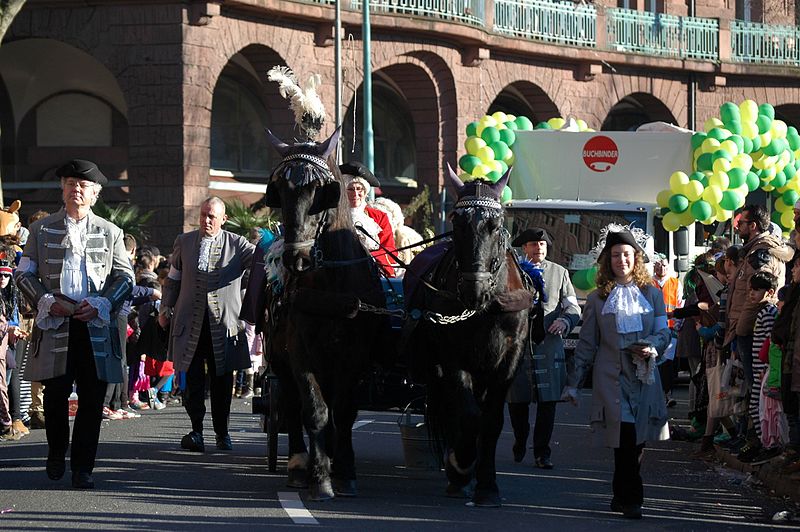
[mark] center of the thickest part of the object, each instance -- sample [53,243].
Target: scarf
[627,303]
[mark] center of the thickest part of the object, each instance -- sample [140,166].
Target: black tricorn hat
[358,169]
[534,234]
[623,237]
[82,169]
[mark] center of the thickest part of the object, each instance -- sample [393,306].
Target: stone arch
[634,110]
[526,99]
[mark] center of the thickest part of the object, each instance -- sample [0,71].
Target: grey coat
[542,371]
[217,292]
[614,376]
[110,276]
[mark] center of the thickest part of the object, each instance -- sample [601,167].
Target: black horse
[321,342]
[469,359]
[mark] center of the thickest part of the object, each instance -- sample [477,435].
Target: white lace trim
[362,219]
[43,318]
[204,253]
[75,239]
[646,369]
[103,307]
[627,303]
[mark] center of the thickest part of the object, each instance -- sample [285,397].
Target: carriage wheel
[272,424]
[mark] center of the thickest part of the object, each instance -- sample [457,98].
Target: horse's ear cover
[331,193]
[272,198]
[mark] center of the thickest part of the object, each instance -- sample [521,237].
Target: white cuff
[43,318]
[103,307]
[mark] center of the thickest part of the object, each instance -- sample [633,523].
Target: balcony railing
[753,42]
[467,11]
[543,20]
[662,35]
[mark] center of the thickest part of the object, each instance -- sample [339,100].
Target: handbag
[153,340]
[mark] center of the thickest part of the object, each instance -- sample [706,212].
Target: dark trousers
[542,428]
[221,386]
[91,392]
[627,483]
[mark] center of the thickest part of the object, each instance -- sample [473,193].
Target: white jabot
[204,253]
[364,220]
[627,303]
[74,277]
[75,239]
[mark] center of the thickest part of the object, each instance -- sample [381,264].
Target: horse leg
[344,468]
[463,432]
[290,410]
[317,423]
[491,425]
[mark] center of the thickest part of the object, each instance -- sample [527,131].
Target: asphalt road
[146,482]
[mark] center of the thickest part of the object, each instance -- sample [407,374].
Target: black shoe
[193,442]
[749,453]
[632,511]
[543,463]
[82,480]
[224,442]
[616,506]
[55,467]
[766,455]
[519,450]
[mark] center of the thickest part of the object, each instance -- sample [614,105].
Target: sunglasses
[5,275]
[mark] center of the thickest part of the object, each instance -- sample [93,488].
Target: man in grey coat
[75,272]
[542,371]
[202,298]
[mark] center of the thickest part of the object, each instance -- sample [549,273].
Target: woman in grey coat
[624,332]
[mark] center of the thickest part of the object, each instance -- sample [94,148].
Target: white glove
[570,395]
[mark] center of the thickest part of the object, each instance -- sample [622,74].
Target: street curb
[769,474]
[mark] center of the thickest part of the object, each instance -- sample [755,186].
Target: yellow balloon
[723,215]
[557,123]
[712,194]
[730,147]
[766,138]
[511,118]
[696,154]
[466,178]
[485,154]
[487,121]
[500,117]
[710,145]
[480,170]
[711,123]
[784,158]
[686,218]
[662,199]
[787,219]
[495,166]
[473,144]
[778,129]
[693,190]
[767,188]
[743,191]
[743,161]
[500,126]
[670,222]
[749,129]
[582,126]
[510,159]
[781,206]
[719,180]
[677,181]
[721,165]
[748,110]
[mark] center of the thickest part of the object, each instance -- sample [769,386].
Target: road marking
[291,503]
[360,423]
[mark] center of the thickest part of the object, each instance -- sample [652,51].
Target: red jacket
[386,238]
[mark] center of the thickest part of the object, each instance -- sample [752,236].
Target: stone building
[171,97]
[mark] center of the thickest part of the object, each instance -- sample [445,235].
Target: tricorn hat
[534,234]
[82,169]
[623,237]
[359,169]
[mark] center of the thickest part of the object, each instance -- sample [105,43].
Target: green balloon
[737,177]
[500,150]
[468,163]
[705,162]
[697,139]
[730,200]
[739,141]
[505,195]
[763,123]
[790,197]
[494,176]
[543,125]
[776,217]
[490,135]
[779,180]
[721,154]
[753,182]
[775,147]
[794,140]
[767,110]
[508,136]
[524,123]
[717,133]
[748,145]
[734,126]
[756,141]
[729,111]
[472,129]
[678,203]
[699,176]
[789,171]
[503,167]
[701,210]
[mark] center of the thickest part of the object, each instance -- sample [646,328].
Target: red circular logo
[600,154]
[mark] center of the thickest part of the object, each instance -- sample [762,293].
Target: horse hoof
[485,499]
[321,492]
[456,491]
[297,478]
[344,488]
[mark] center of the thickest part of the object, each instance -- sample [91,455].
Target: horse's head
[304,186]
[479,238]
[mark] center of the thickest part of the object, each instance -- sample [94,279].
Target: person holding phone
[624,332]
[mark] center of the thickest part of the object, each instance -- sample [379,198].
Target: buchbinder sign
[602,166]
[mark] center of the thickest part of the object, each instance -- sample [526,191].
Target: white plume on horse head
[309,111]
